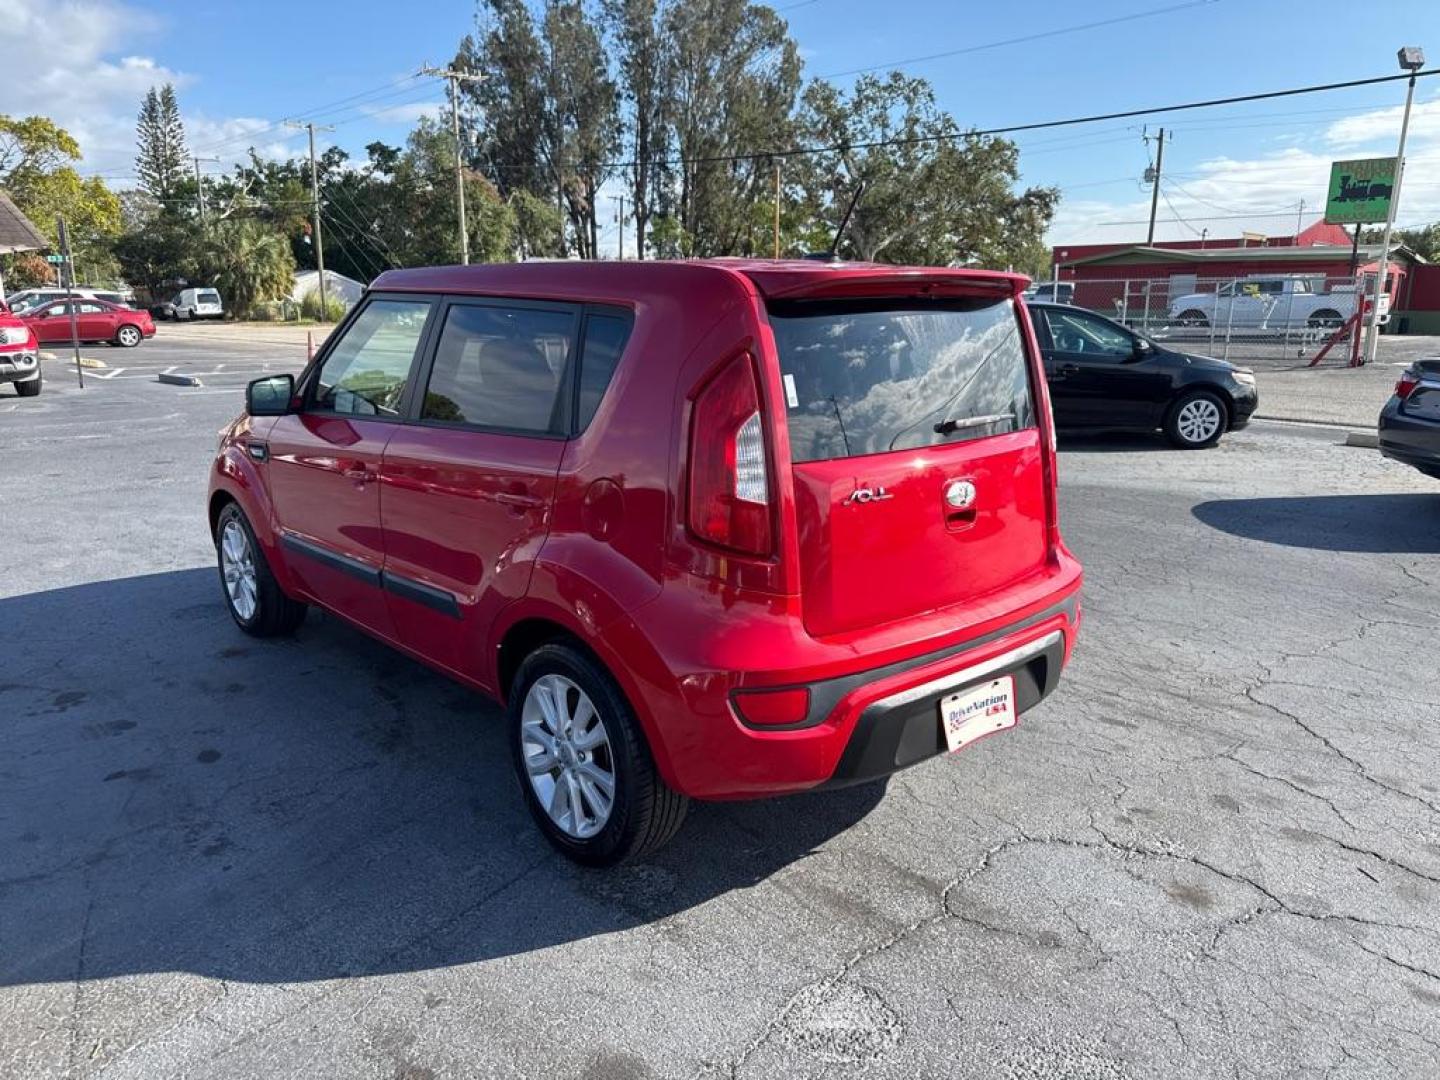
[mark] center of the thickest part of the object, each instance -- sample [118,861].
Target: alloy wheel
[1198,420]
[237,567]
[129,336]
[567,756]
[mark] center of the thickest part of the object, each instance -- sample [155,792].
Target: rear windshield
[870,377]
[207,296]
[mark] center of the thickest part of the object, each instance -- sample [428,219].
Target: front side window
[366,373]
[499,367]
[867,377]
[1089,337]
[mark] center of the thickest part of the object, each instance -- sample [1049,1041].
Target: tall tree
[733,78]
[931,194]
[635,31]
[160,135]
[583,116]
[509,141]
[36,169]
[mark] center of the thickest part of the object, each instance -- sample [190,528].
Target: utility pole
[200,185]
[1411,60]
[315,195]
[777,209]
[453,77]
[620,220]
[1299,218]
[1153,175]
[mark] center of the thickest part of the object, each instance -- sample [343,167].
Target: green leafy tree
[642,52]
[732,83]
[36,171]
[161,162]
[537,225]
[249,262]
[932,195]
[509,140]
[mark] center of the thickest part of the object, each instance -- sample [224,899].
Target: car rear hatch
[920,473]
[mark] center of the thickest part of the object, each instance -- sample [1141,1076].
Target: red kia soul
[711,530]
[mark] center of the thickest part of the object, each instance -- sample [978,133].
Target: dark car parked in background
[1105,376]
[1410,421]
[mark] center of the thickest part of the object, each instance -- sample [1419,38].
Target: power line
[1022,39]
[973,133]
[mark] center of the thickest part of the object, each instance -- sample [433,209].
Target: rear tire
[252,595]
[31,388]
[128,336]
[1196,420]
[559,748]
[1194,318]
[1325,320]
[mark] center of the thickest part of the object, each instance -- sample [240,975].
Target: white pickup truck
[1270,303]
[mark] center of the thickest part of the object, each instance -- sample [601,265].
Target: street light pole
[1412,60]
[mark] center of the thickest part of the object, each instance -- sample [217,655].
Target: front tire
[30,388]
[1193,318]
[1196,420]
[252,595]
[585,770]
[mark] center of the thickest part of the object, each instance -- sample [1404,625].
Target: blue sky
[240,68]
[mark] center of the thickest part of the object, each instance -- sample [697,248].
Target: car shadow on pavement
[1117,442]
[1397,524]
[175,796]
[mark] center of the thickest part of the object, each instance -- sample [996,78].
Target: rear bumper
[865,720]
[1409,440]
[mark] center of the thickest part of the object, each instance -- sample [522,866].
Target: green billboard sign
[1360,191]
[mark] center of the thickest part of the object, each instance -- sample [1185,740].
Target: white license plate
[982,710]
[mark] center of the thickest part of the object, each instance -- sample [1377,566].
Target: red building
[1123,276]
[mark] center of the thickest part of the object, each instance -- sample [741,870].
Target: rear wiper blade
[950,426]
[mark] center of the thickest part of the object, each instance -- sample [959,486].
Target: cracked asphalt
[1214,852]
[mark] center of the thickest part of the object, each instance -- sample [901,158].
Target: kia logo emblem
[960,494]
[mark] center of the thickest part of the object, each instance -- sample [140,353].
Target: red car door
[324,461]
[97,322]
[468,487]
[51,322]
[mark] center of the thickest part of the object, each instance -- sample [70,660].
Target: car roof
[657,280]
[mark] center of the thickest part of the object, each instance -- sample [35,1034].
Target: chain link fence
[1270,320]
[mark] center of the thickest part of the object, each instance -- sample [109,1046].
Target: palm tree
[249,263]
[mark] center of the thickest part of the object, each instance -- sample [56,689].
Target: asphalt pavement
[1215,851]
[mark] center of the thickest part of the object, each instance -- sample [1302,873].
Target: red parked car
[95,320]
[19,355]
[709,530]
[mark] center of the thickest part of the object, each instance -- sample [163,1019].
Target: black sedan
[1410,421]
[1105,376]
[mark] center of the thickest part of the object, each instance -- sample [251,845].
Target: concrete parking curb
[1364,439]
[1345,424]
[178,380]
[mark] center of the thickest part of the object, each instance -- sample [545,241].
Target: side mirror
[270,396]
[1143,349]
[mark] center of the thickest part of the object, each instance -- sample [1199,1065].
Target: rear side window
[871,377]
[605,337]
[499,367]
[365,374]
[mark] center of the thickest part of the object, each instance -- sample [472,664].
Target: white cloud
[74,61]
[1227,195]
[408,113]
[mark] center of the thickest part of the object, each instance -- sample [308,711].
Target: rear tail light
[729,469]
[772,708]
[1407,383]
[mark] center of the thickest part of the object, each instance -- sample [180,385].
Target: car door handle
[518,500]
[1069,369]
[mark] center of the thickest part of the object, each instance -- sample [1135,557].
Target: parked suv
[708,530]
